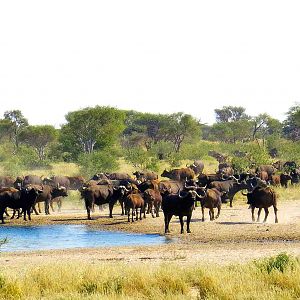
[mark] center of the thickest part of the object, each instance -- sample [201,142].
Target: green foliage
[98,161]
[291,126]
[91,129]
[140,158]
[17,124]
[280,263]
[230,114]
[39,137]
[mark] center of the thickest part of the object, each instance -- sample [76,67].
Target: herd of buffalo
[176,196]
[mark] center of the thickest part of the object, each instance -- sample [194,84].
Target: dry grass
[273,278]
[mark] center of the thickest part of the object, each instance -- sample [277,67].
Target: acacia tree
[17,124]
[291,126]
[39,137]
[90,129]
[179,127]
[230,114]
[264,125]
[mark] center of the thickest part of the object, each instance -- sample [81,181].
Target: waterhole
[28,238]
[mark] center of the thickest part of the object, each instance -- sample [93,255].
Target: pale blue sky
[156,56]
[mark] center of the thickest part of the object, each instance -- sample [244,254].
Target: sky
[151,56]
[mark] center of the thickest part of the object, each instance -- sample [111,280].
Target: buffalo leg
[212,214]
[157,207]
[266,214]
[14,213]
[59,204]
[231,199]
[181,224]
[88,210]
[134,214]
[39,206]
[275,212]
[122,207]
[35,210]
[51,205]
[111,206]
[167,221]
[258,214]
[202,209]
[252,211]
[28,213]
[2,211]
[128,214]
[219,210]
[188,221]
[47,205]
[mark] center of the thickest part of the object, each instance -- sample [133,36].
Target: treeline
[96,137]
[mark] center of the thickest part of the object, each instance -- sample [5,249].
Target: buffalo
[262,198]
[18,199]
[197,166]
[179,174]
[180,205]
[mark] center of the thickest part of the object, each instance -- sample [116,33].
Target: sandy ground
[231,238]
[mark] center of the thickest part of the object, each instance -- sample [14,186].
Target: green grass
[271,278]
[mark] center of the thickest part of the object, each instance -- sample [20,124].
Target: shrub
[281,263]
[104,161]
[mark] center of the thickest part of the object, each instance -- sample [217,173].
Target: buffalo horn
[181,197]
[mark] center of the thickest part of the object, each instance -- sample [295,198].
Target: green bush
[98,161]
[280,263]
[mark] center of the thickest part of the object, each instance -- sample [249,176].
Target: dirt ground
[231,238]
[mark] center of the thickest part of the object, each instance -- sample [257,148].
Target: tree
[91,129]
[264,125]
[39,137]
[17,123]
[230,114]
[291,126]
[179,127]
[5,129]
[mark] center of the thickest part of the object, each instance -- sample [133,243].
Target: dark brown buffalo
[263,175]
[153,199]
[32,179]
[284,179]
[170,186]
[275,180]
[76,182]
[226,172]
[295,174]
[6,181]
[95,195]
[229,188]
[149,184]
[49,193]
[118,176]
[55,181]
[197,166]
[180,205]
[211,200]
[18,199]
[145,175]
[206,179]
[134,202]
[262,198]
[99,176]
[267,168]
[182,174]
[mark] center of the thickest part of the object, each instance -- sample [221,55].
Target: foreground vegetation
[271,278]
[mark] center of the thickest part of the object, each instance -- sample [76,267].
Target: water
[28,238]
